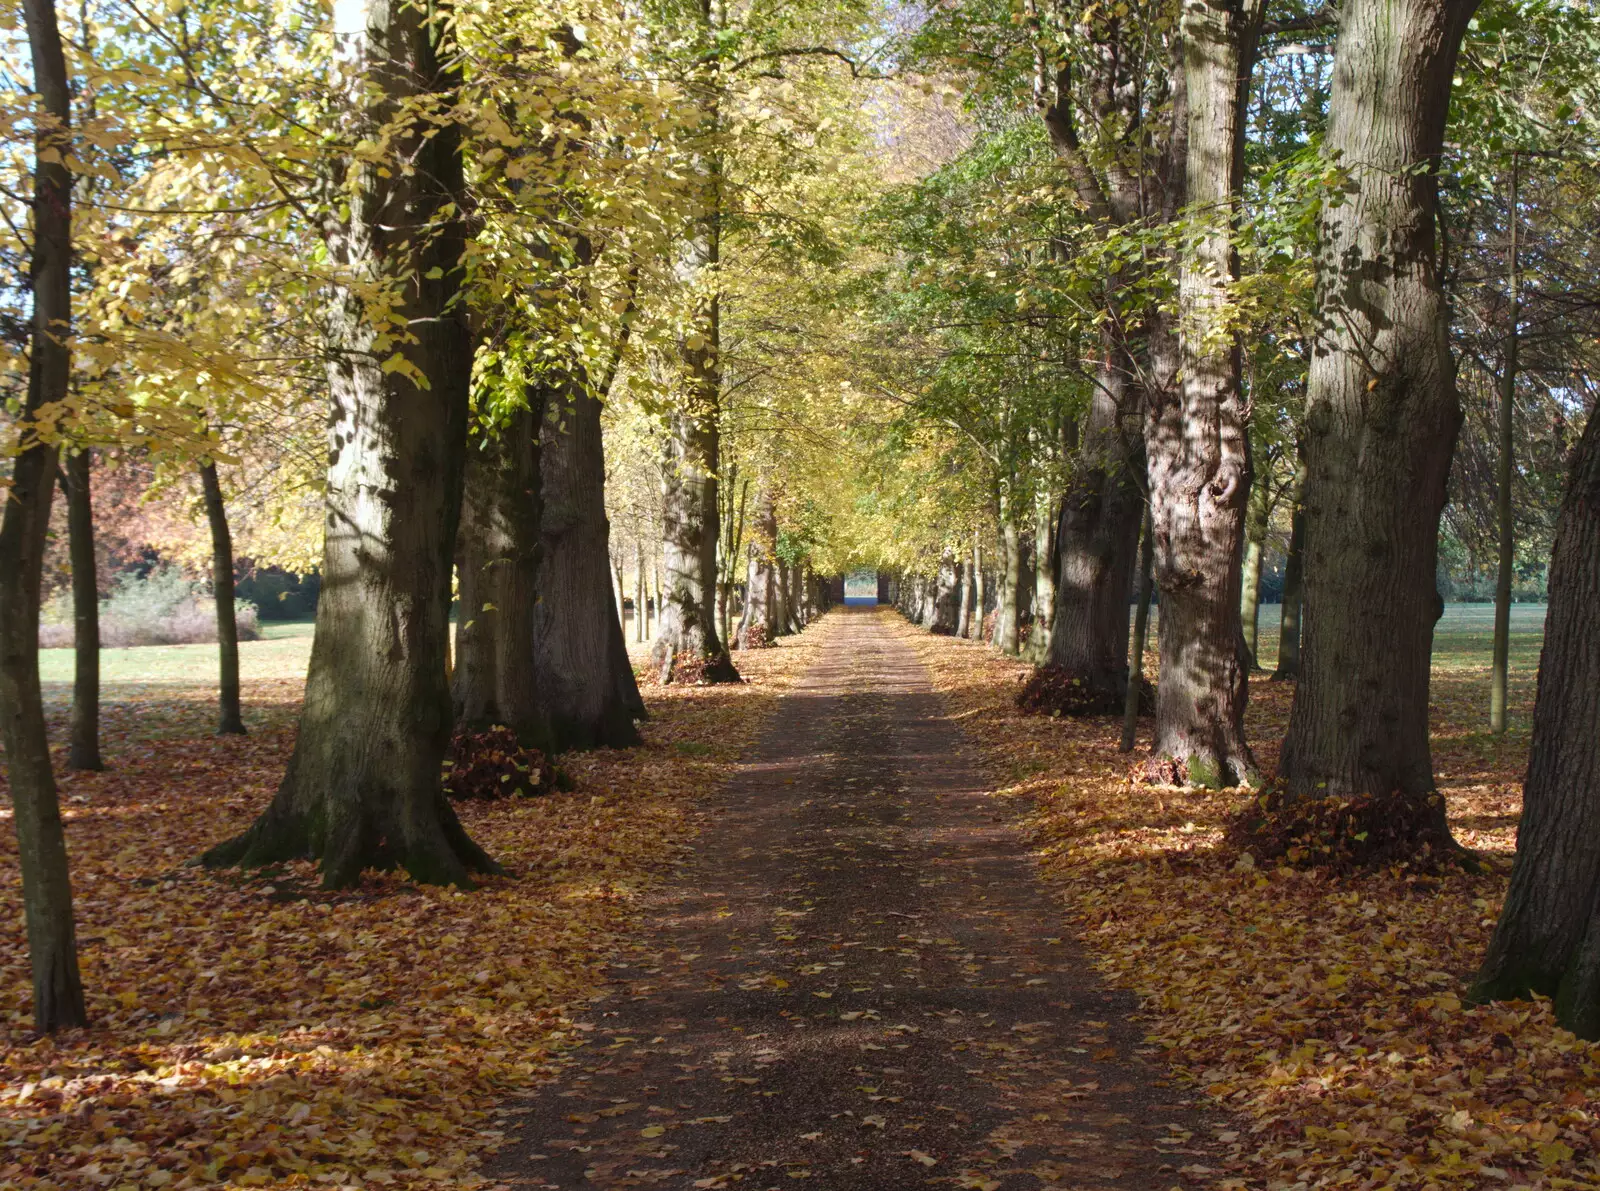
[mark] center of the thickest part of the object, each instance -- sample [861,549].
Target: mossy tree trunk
[362,789]
[1547,941]
[24,526]
[1381,420]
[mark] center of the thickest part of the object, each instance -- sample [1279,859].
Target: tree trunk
[1547,941]
[362,788]
[586,684]
[980,594]
[1255,536]
[229,720]
[1196,439]
[691,512]
[1044,585]
[964,617]
[762,622]
[1097,545]
[1500,667]
[641,615]
[1288,668]
[83,750]
[24,524]
[1141,630]
[497,563]
[946,601]
[1006,626]
[1381,420]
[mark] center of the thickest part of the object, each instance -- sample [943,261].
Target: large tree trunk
[498,553]
[586,684]
[1044,582]
[83,746]
[689,619]
[1255,537]
[1381,420]
[1097,545]
[1197,451]
[363,784]
[24,524]
[229,720]
[1288,668]
[1547,941]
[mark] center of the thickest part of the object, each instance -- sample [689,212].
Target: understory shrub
[165,607]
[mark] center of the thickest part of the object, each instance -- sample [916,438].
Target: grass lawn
[282,652]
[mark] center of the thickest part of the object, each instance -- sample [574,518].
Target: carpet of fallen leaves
[253,1030]
[1323,1015]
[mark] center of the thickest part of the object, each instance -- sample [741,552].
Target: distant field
[1462,639]
[281,653]
[1461,652]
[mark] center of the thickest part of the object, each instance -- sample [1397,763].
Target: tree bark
[1044,583]
[1141,630]
[964,617]
[762,622]
[230,721]
[1197,449]
[640,614]
[362,788]
[1255,536]
[691,512]
[24,526]
[1381,420]
[1500,667]
[980,594]
[1006,626]
[498,555]
[1547,941]
[1097,545]
[945,604]
[83,748]
[586,684]
[1288,668]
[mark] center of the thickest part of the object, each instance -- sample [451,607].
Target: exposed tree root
[347,840]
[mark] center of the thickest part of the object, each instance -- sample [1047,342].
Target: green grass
[1462,640]
[282,652]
